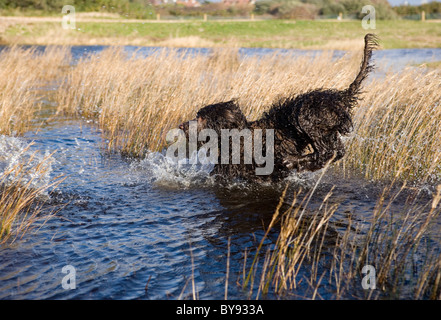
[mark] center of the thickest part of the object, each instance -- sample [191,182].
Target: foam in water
[163,170]
[303,179]
[16,153]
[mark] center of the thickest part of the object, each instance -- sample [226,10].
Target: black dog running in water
[314,120]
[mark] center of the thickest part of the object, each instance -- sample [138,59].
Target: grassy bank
[265,33]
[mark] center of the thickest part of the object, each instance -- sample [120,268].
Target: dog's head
[224,115]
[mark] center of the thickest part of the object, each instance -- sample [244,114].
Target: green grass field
[259,33]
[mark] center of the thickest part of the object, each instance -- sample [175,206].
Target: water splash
[162,170]
[159,169]
[20,163]
[304,179]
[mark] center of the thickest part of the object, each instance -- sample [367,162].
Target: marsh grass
[431,65]
[396,130]
[319,260]
[23,193]
[24,76]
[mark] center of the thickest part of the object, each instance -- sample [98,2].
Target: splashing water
[19,162]
[159,169]
[165,171]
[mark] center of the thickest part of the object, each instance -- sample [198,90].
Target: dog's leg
[325,149]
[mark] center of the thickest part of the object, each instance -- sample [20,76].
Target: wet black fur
[313,120]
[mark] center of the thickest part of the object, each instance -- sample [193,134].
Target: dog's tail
[370,44]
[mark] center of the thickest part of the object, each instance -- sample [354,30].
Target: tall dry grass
[23,192]
[24,77]
[136,101]
[397,127]
[24,74]
[321,259]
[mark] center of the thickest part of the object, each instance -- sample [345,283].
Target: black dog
[218,117]
[314,120]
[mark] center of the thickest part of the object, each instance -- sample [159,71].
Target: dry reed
[309,251]
[23,191]
[396,130]
[24,77]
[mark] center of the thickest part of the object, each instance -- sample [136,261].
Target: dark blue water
[129,224]
[123,227]
[134,229]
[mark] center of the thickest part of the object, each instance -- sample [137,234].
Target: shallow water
[121,228]
[125,227]
[142,229]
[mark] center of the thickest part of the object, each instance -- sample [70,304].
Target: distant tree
[431,8]
[383,10]
[309,9]
[263,7]
[292,9]
[130,8]
[329,7]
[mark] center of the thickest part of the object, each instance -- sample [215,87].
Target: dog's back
[315,119]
